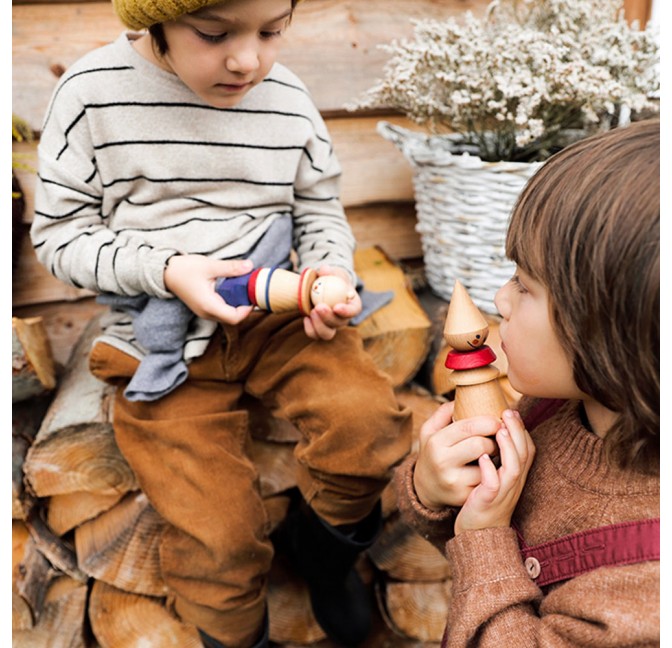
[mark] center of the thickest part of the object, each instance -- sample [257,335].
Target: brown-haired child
[559,545]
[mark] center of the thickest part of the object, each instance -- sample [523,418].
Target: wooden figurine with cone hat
[477,390]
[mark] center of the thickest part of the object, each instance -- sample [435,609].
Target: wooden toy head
[465,329]
[331,290]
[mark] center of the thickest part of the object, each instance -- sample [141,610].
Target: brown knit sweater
[570,488]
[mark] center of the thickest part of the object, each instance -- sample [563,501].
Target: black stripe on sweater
[163,180]
[252,147]
[195,106]
[67,80]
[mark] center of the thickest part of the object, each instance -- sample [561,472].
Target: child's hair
[159,37]
[587,226]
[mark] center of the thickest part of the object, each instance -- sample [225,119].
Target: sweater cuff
[406,489]
[153,267]
[485,556]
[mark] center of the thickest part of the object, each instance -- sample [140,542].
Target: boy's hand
[323,321]
[445,472]
[492,502]
[191,277]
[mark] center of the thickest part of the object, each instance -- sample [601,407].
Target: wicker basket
[463,206]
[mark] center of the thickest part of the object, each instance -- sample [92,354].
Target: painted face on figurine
[466,329]
[330,290]
[469,341]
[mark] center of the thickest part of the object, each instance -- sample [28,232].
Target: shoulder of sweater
[93,72]
[288,89]
[282,74]
[110,55]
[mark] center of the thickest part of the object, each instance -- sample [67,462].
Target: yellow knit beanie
[140,14]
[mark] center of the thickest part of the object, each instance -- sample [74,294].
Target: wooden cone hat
[465,328]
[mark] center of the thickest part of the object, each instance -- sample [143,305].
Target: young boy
[167,158]
[558,545]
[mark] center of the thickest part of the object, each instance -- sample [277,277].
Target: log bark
[33,368]
[276,465]
[61,624]
[22,614]
[33,575]
[65,322]
[59,552]
[21,501]
[26,419]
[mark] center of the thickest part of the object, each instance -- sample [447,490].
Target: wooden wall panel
[331,45]
[638,10]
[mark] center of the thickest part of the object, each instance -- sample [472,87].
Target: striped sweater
[133,167]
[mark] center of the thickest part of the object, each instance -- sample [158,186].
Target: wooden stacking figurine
[279,291]
[477,388]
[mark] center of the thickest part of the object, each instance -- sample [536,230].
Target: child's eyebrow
[207,14]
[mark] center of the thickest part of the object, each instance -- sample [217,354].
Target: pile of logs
[85,537]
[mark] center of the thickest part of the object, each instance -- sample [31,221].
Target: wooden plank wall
[331,45]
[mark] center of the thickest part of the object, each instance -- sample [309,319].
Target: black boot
[325,556]
[211,642]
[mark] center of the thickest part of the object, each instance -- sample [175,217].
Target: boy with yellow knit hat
[169,159]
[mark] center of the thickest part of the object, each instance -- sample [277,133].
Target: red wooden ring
[252,286]
[299,298]
[460,360]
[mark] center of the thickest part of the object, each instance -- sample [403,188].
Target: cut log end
[33,366]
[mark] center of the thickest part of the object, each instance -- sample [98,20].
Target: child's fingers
[309,328]
[471,475]
[441,417]
[517,431]
[465,451]
[478,426]
[321,328]
[520,437]
[350,309]
[488,489]
[238,314]
[511,467]
[229,268]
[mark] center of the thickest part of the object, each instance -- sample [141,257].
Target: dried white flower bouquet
[514,82]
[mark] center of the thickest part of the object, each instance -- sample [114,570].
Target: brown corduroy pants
[189,451]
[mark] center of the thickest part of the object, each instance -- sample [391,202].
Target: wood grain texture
[120,618]
[404,555]
[418,610]
[121,546]
[397,335]
[343,35]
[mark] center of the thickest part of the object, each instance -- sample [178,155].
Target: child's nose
[502,301]
[244,60]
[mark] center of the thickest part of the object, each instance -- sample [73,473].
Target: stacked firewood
[86,539]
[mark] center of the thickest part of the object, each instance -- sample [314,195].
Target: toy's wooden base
[482,399]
